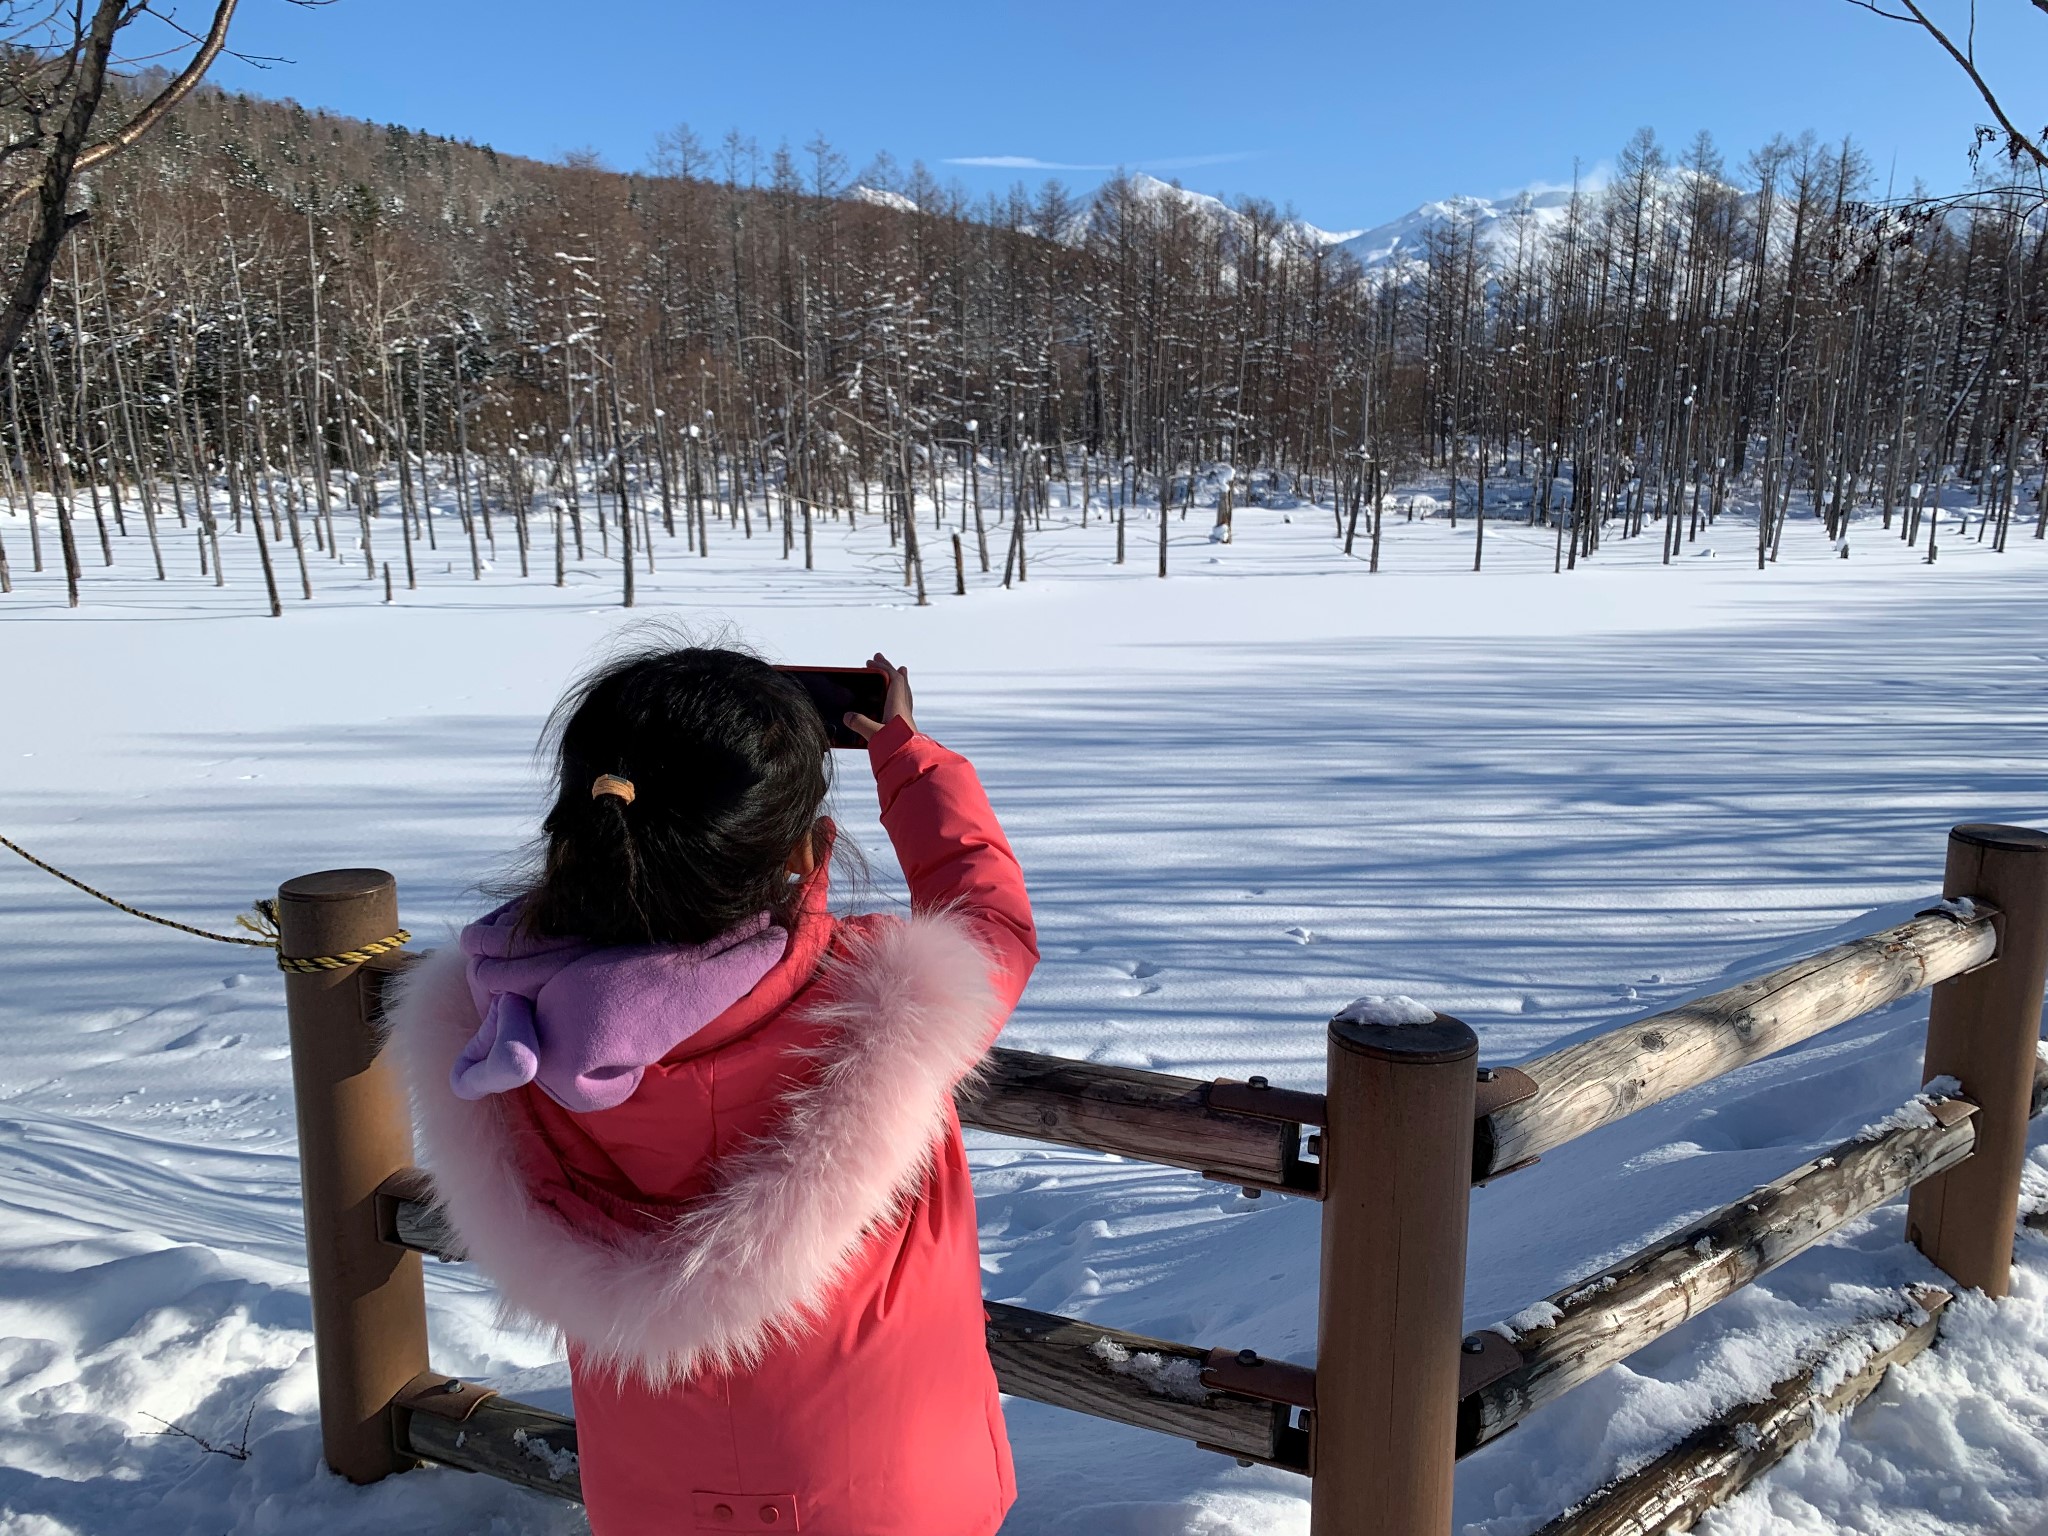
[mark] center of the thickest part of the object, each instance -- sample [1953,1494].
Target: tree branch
[53,188]
[2016,141]
[209,49]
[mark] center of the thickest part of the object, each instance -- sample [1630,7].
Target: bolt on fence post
[369,1300]
[1397,1185]
[1983,1029]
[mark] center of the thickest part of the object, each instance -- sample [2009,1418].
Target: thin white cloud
[1033,163]
[1591,179]
[1022,163]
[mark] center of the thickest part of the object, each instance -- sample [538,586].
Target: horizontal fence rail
[1178,1121]
[459,1424]
[1720,1459]
[1171,1388]
[1581,1330]
[1609,1077]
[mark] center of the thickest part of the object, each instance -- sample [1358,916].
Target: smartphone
[837,690]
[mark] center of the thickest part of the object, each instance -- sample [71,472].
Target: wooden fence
[1407,1124]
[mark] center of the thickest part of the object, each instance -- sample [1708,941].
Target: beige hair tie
[612,784]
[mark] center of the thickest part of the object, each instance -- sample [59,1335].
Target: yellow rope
[264,925]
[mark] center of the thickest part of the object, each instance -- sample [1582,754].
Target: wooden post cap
[1441,1039]
[335,885]
[333,910]
[1984,834]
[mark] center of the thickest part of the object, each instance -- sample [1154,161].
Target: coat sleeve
[952,849]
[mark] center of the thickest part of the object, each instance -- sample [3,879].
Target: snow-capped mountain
[881,197]
[1398,244]
[1498,224]
[1152,187]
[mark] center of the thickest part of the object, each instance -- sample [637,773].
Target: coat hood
[583,1023]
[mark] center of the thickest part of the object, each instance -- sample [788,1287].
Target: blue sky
[1352,112]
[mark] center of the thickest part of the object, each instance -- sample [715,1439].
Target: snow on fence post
[369,1301]
[1984,1029]
[1397,1177]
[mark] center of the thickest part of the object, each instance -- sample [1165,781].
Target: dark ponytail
[727,761]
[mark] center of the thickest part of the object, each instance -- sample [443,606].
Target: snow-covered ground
[1243,796]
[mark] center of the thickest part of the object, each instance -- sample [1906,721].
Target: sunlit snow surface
[1243,797]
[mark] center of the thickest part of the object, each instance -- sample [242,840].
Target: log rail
[1720,1459]
[1591,1083]
[1604,1318]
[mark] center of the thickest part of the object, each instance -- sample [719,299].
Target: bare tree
[52,84]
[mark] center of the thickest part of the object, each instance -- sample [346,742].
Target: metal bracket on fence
[1498,1173]
[1485,1358]
[1501,1086]
[1978,911]
[443,1397]
[1260,1098]
[1952,1110]
[1247,1373]
[1498,1088]
[1289,1106]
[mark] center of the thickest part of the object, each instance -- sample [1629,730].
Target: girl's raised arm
[952,848]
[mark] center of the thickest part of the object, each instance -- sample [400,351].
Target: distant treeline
[263,295]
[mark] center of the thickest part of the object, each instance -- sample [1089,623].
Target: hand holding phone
[895,700]
[856,702]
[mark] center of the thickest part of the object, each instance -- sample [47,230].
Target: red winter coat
[764,1262]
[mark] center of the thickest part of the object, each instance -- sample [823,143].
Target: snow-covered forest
[339,323]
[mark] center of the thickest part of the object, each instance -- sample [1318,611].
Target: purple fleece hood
[582,1021]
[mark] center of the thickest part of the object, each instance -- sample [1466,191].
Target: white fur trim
[756,1260]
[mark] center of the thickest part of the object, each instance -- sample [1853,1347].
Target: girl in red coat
[680,1113]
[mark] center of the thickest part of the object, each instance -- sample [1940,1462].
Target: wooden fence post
[1397,1179]
[369,1300]
[1983,1028]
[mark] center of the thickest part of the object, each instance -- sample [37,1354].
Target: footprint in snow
[1300,935]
